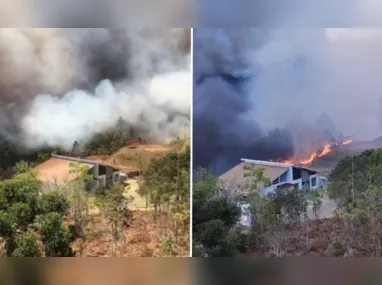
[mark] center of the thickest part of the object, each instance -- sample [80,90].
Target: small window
[314,181]
[116,177]
[284,176]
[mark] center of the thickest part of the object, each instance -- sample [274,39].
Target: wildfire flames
[346,142]
[324,151]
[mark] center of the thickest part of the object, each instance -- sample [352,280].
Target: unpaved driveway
[131,192]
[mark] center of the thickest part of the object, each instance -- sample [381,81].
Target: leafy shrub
[337,249]
[26,245]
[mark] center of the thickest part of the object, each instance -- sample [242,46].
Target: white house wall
[102,180]
[290,174]
[323,182]
[290,180]
[245,218]
[310,181]
[95,171]
[116,178]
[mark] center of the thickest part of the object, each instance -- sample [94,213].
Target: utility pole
[353,195]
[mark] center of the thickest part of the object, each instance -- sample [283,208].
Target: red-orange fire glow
[346,142]
[328,148]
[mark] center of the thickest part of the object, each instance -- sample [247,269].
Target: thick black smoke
[220,135]
[61,85]
[280,93]
[222,132]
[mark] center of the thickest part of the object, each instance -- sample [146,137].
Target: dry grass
[138,157]
[131,192]
[56,171]
[144,238]
[322,235]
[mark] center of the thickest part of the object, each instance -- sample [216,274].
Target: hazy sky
[287,78]
[300,73]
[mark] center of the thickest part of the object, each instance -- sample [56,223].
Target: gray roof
[272,163]
[75,159]
[235,179]
[81,160]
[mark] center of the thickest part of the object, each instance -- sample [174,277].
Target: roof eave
[280,164]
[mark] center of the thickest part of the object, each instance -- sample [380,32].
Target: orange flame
[346,142]
[312,157]
[325,150]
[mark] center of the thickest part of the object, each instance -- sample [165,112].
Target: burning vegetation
[328,148]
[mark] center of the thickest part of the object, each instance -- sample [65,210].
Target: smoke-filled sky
[62,85]
[250,82]
[292,13]
[95,13]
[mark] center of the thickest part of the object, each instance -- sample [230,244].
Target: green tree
[214,218]
[76,149]
[81,172]
[22,167]
[53,202]
[18,207]
[166,181]
[115,206]
[261,212]
[257,178]
[270,213]
[290,203]
[21,205]
[356,182]
[315,197]
[56,239]
[371,209]
[354,175]
[26,245]
[78,198]
[107,143]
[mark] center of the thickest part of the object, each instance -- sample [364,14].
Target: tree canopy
[26,214]
[359,172]
[214,218]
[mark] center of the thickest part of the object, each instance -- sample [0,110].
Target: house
[281,175]
[58,170]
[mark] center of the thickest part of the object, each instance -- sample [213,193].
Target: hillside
[343,220]
[145,236]
[139,156]
[318,238]
[136,218]
[327,163]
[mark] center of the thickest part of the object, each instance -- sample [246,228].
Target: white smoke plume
[78,114]
[64,85]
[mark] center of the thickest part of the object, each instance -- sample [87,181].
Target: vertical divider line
[191,130]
